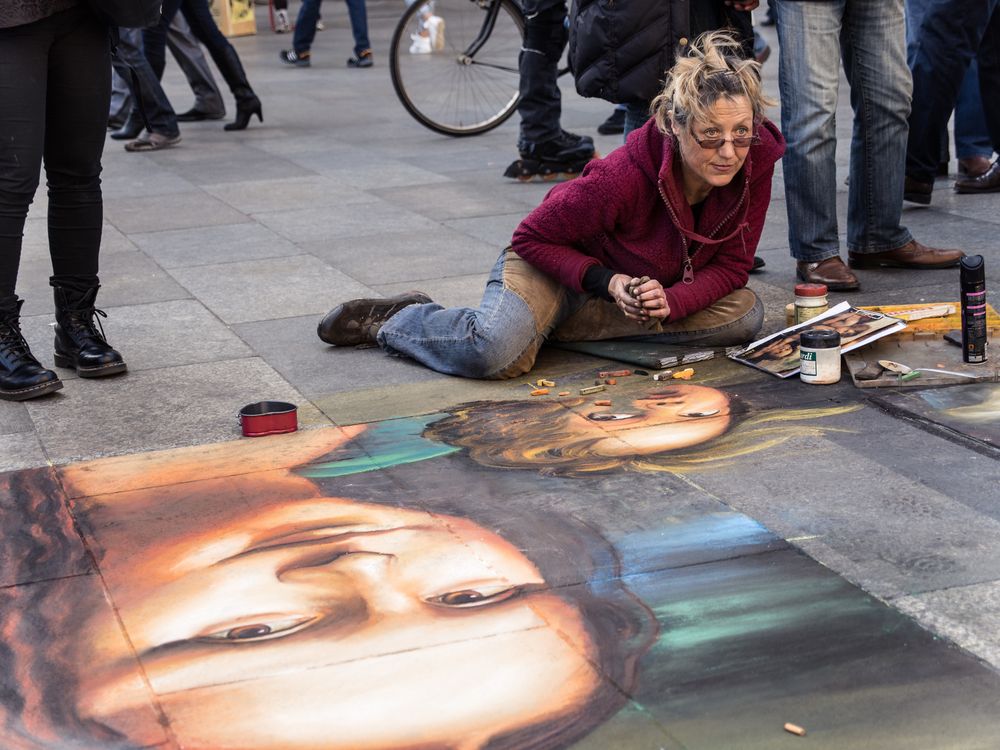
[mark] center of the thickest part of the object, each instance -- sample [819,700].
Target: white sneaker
[435,25]
[421,45]
[281,24]
[320,26]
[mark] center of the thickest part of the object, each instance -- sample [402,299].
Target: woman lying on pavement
[652,243]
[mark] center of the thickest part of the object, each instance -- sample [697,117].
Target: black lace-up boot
[21,375]
[80,342]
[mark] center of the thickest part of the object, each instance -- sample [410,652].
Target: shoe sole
[150,146]
[974,191]
[328,336]
[870,264]
[69,363]
[33,392]
[924,199]
[833,286]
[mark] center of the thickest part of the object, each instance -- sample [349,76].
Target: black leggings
[55,86]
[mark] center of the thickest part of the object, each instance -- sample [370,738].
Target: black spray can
[973,276]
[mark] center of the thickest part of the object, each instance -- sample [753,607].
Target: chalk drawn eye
[481,597]
[696,414]
[605,416]
[257,631]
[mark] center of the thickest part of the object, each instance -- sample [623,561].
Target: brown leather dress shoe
[973,166]
[989,182]
[830,271]
[911,255]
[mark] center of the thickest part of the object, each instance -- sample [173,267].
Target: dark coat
[621,50]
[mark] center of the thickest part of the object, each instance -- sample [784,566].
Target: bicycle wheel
[454,63]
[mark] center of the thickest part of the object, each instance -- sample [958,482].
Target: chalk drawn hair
[537,435]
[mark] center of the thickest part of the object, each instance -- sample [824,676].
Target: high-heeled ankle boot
[80,342]
[247,103]
[21,375]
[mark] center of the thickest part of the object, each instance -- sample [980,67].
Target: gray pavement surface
[221,255]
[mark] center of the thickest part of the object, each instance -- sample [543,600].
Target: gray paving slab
[291,346]
[406,256]
[205,246]
[170,211]
[896,535]
[450,200]
[269,288]
[967,615]
[311,191]
[319,224]
[19,447]
[164,408]
[495,230]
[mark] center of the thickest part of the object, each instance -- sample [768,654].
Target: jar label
[807,363]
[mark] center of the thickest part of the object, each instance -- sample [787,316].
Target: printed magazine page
[778,354]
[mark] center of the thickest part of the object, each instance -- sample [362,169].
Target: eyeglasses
[740,142]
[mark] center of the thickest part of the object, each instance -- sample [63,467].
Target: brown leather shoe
[915,191]
[911,255]
[973,166]
[358,321]
[985,183]
[830,271]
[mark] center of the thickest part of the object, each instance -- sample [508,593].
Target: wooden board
[940,325]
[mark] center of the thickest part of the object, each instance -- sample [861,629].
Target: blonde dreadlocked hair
[712,69]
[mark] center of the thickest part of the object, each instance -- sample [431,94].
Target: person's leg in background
[281,22]
[808,80]
[545,148]
[208,104]
[305,32]
[121,101]
[362,57]
[988,60]
[972,137]
[163,128]
[199,18]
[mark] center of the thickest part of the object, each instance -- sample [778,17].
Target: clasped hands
[639,298]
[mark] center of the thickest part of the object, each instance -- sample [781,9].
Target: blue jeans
[868,36]
[522,307]
[971,135]
[951,34]
[305,25]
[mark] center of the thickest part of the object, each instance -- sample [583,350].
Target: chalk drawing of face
[325,622]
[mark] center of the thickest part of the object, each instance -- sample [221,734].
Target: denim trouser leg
[636,115]
[305,25]
[159,112]
[950,35]
[358,14]
[972,136]
[808,79]
[873,43]
[522,307]
[869,36]
[545,38]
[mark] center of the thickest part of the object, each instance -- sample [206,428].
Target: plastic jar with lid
[810,301]
[819,356]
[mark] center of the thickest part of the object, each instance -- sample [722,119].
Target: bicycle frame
[492,11]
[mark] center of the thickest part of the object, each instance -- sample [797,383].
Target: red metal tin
[269,418]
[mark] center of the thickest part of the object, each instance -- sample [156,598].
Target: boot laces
[88,318]
[12,341]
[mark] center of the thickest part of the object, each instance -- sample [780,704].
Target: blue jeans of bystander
[868,37]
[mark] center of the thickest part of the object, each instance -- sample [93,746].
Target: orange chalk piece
[795,729]
[684,374]
[602,402]
[563,393]
[619,373]
[540,392]
[611,381]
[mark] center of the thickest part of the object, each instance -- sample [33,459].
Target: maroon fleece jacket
[627,212]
